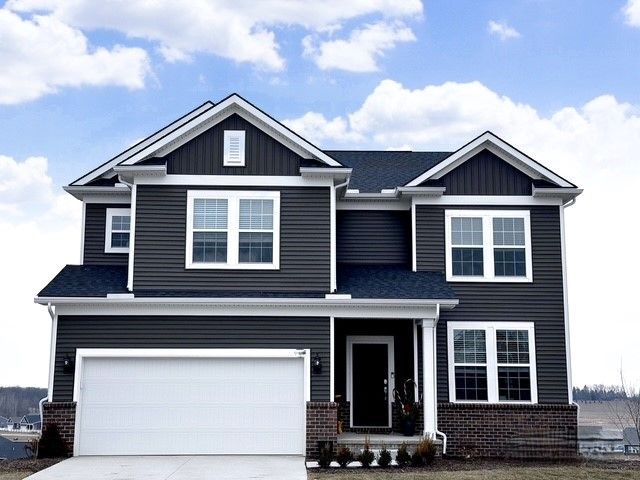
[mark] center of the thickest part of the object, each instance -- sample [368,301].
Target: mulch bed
[27,465]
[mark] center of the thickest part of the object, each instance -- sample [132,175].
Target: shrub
[51,443]
[402,457]
[344,457]
[427,449]
[326,455]
[367,457]
[384,458]
[416,459]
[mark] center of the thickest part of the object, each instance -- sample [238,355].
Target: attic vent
[234,148]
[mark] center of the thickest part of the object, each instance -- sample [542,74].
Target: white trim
[82,353]
[565,299]
[229,106]
[371,339]
[414,236]
[228,136]
[492,361]
[332,356]
[119,193]
[429,374]
[497,146]
[52,355]
[83,223]
[488,200]
[132,237]
[150,140]
[233,198]
[237,180]
[112,212]
[332,241]
[487,246]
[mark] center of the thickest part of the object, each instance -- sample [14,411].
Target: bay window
[233,229]
[492,362]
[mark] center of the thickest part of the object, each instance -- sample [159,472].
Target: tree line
[18,401]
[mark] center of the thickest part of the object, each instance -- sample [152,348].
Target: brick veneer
[322,426]
[63,415]
[531,431]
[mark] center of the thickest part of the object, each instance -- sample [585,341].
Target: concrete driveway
[221,467]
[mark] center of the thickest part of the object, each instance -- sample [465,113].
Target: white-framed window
[117,230]
[234,155]
[233,229]
[488,246]
[492,362]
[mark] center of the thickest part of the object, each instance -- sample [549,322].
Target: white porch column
[429,394]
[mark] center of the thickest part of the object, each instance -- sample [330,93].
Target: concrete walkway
[221,467]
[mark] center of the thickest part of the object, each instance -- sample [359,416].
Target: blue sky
[560,80]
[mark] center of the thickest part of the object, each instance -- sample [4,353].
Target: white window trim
[488,246]
[228,134]
[492,359]
[233,229]
[113,212]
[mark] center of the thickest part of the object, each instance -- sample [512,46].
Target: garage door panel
[192,406]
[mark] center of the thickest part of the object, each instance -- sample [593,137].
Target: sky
[80,81]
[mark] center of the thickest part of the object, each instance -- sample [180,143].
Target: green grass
[507,473]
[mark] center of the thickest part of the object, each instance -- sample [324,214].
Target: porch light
[68,364]
[316,364]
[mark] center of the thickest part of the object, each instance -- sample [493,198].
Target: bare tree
[626,412]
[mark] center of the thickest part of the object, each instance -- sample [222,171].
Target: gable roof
[501,148]
[376,170]
[208,114]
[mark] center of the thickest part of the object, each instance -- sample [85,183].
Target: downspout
[567,335]
[49,396]
[435,383]
[334,234]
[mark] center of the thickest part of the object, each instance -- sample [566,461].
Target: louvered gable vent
[234,148]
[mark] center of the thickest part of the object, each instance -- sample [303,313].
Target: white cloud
[595,145]
[631,13]
[42,54]
[40,233]
[502,30]
[361,51]
[241,30]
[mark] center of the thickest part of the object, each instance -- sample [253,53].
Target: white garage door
[162,406]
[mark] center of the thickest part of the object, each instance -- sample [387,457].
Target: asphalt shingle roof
[377,170]
[87,281]
[391,281]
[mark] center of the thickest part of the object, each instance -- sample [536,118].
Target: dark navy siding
[204,154]
[540,302]
[485,174]
[160,245]
[374,236]
[190,332]
[94,231]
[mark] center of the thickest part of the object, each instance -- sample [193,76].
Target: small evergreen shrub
[326,455]
[344,457]
[384,458]
[402,457]
[427,449]
[367,457]
[416,459]
[51,443]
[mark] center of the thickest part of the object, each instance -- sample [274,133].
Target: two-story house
[240,290]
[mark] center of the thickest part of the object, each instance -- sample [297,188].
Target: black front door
[370,393]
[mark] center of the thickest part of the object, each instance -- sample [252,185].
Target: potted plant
[408,407]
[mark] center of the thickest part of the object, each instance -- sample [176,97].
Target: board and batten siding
[203,155]
[540,302]
[485,174]
[305,251]
[373,236]
[190,332]
[94,232]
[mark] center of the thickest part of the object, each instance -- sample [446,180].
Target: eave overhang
[119,192]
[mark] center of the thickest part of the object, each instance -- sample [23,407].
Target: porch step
[356,441]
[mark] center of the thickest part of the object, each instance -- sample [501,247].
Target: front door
[370,384]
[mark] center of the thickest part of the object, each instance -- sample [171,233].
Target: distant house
[631,441]
[3,422]
[13,423]
[31,422]
[598,440]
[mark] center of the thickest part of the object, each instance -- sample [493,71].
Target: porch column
[429,395]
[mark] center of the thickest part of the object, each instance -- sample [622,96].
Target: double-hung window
[488,245]
[117,230]
[233,229]
[492,362]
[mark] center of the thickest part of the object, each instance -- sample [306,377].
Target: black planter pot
[408,426]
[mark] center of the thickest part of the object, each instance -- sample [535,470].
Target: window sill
[228,266]
[490,280]
[116,250]
[485,402]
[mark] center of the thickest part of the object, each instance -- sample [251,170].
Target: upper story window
[117,230]
[233,229]
[492,362]
[488,245]
[234,148]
